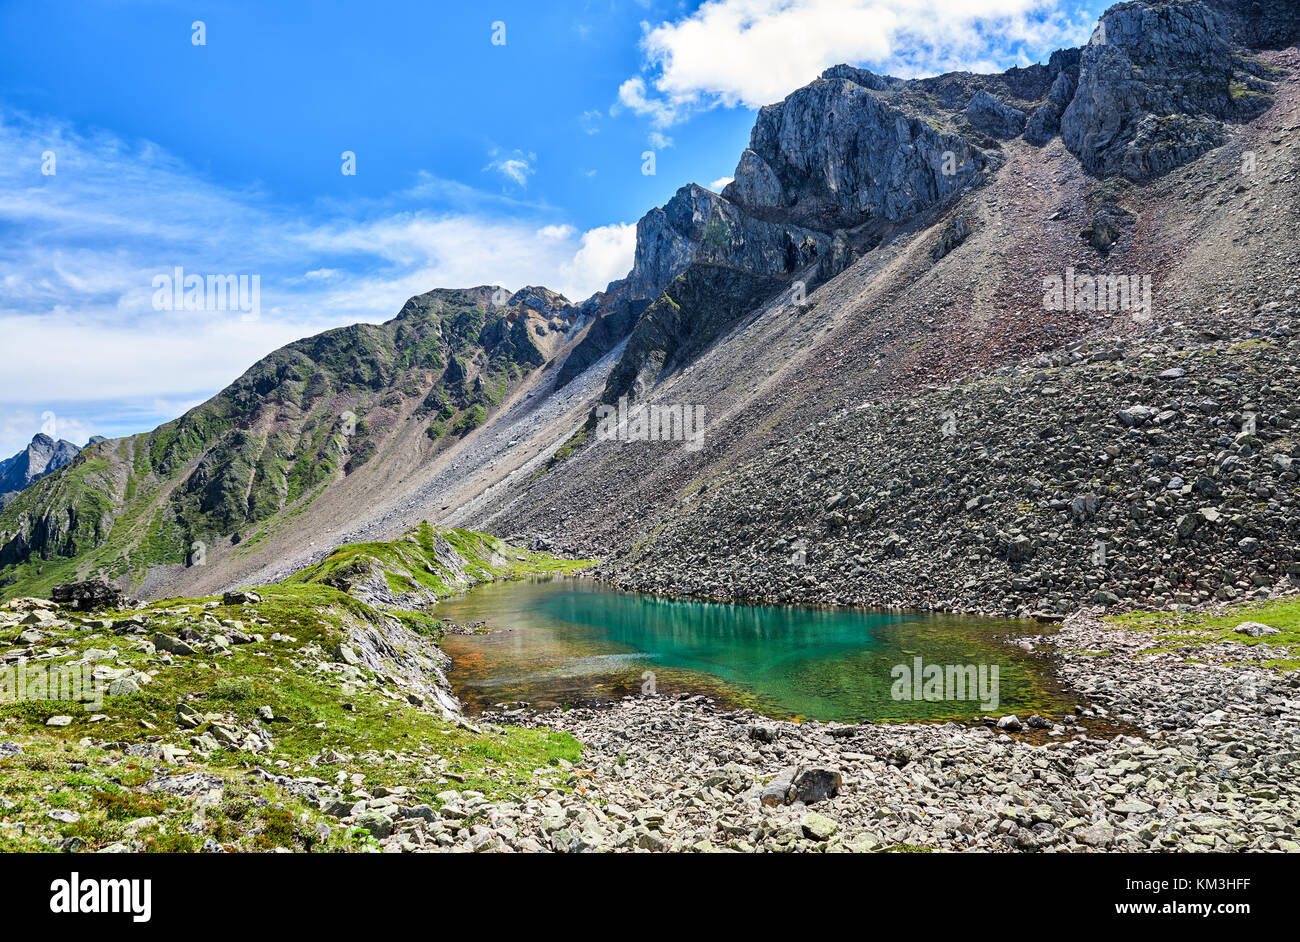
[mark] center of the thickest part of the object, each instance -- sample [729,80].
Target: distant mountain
[43,456]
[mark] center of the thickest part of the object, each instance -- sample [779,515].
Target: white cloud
[160,359]
[19,426]
[515,166]
[720,184]
[605,255]
[80,332]
[754,52]
[632,95]
[456,250]
[557,232]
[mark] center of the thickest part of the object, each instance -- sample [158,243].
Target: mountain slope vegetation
[260,451]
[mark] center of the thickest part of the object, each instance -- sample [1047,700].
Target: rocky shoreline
[1210,762]
[1183,741]
[1211,765]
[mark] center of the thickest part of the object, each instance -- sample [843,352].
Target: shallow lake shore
[1211,764]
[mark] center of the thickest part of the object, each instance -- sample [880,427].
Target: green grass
[1173,631]
[419,560]
[352,711]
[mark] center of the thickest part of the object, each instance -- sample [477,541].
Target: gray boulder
[377,823]
[171,645]
[1256,630]
[240,597]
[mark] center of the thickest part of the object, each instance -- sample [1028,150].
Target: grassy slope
[1172,631]
[252,458]
[319,704]
[406,562]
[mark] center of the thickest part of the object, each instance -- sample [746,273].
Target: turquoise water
[564,641]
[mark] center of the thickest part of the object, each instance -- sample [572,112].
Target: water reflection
[563,640]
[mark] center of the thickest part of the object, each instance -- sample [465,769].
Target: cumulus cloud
[604,255]
[661,111]
[754,52]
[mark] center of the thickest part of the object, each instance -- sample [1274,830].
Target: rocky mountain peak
[838,153]
[1157,82]
[542,301]
[43,456]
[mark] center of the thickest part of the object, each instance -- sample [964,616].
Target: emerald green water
[564,641]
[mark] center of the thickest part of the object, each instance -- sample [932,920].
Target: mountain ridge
[907,277]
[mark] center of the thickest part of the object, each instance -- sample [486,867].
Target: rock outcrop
[88,595]
[1156,84]
[988,114]
[836,154]
[1045,123]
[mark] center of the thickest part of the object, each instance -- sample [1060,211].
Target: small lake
[566,641]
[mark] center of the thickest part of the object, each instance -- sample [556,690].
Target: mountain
[256,455]
[43,456]
[885,244]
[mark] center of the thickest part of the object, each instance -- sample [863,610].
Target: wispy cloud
[83,246]
[515,166]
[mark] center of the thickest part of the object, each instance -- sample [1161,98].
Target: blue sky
[511,162]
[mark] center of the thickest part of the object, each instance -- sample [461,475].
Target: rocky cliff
[831,168]
[1157,84]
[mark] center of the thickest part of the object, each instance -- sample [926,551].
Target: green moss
[469,420]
